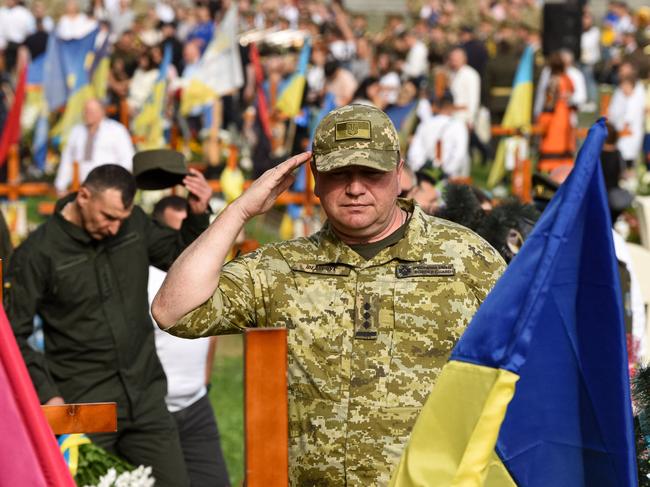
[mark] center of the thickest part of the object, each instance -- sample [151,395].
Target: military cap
[356,135]
[159,168]
[544,188]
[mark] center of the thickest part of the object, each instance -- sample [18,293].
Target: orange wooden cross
[266,419]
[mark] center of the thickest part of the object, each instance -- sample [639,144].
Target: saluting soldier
[373,302]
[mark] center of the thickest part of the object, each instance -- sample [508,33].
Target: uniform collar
[74,231]
[331,250]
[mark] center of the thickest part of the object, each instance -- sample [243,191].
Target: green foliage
[94,462]
[641,398]
[227,398]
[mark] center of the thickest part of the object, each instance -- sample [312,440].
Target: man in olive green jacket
[85,272]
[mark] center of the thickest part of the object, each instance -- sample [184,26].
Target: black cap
[159,168]
[544,188]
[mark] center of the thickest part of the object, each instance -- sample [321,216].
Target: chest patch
[433,270]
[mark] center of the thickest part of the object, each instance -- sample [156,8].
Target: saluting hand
[261,195]
[200,191]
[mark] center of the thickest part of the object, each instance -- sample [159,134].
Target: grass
[227,398]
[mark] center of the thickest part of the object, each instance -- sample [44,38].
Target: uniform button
[366,315]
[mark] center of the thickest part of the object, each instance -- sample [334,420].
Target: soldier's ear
[314,171]
[83,195]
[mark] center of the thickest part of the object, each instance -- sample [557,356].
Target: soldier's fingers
[284,185]
[291,164]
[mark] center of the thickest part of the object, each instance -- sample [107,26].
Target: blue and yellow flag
[290,100]
[518,112]
[77,57]
[536,391]
[219,71]
[147,126]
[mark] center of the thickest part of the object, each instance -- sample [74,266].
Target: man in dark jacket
[85,272]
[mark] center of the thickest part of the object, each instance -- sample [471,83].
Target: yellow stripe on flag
[196,94]
[73,113]
[100,78]
[148,124]
[290,100]
[517,116]
[453,440]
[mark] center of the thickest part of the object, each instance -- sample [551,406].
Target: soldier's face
[358,201]
[102,212]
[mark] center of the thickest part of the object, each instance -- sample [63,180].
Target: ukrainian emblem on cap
[353,129]
[356,135]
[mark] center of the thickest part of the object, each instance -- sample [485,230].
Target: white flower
[140,477]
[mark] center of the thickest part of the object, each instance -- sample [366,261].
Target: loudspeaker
[562,27]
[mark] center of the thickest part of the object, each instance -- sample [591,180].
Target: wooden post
[266,419]
[233,157]
[98,417]
[517,179]
[124,112]
[13,171]
[74,186]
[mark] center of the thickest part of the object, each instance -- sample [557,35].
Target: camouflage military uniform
[367,339]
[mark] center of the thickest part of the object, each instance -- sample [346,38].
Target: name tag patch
[325,269]
[432,270]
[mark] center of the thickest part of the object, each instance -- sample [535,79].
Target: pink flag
[29,453]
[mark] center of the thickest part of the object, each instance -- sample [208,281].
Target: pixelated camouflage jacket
[366,339]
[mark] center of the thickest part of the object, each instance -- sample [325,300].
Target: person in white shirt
[417,63]
[442,141]
[16,23]
[465,86]
[637,308]
[188,367]
[97,141]
[74,24]
[389,81]
[626,112]
[589,57]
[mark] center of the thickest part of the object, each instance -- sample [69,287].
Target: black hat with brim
[159,169]
[544,188]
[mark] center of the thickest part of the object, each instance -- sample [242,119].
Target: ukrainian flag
[290,100]
[78,56]
[536,391]
[518,112]
[219,71]
[147,126]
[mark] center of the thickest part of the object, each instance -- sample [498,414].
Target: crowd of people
[417,97]
[447,58]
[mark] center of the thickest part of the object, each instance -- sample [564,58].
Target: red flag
[262,106]
[11,129]
[29,453]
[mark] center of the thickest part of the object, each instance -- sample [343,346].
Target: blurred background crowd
[454,59]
